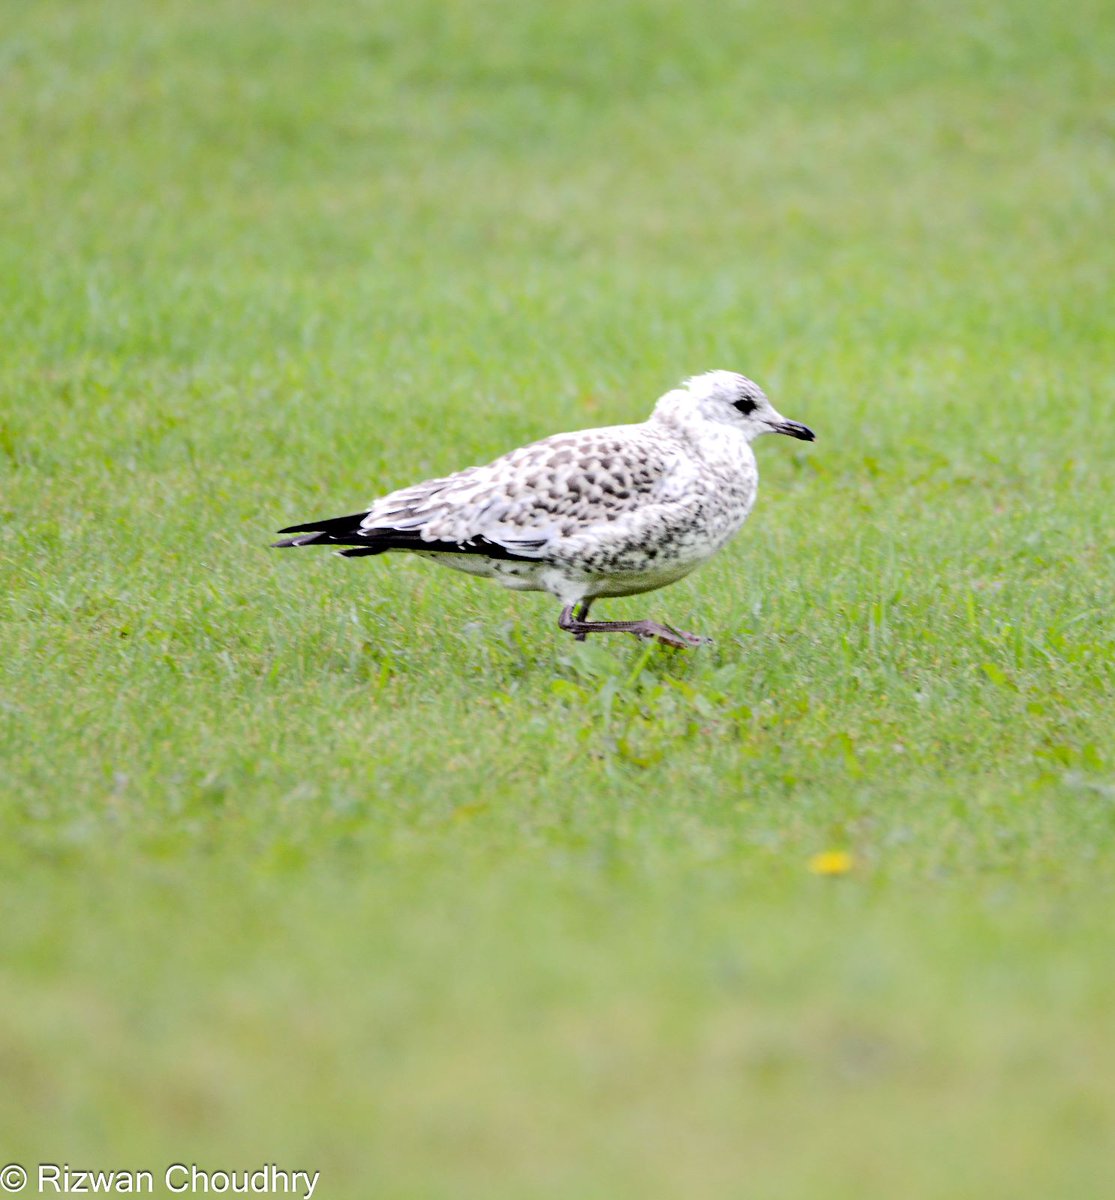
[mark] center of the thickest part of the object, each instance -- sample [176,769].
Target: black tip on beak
[792,429]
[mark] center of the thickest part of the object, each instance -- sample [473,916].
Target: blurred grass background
[365,867]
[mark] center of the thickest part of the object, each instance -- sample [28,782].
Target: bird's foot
[669,636]
[572,620]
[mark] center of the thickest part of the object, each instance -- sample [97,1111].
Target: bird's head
[730,399]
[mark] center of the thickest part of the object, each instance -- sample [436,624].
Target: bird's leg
[576,613]
[572,620]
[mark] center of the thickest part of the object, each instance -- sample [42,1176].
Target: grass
[365,867]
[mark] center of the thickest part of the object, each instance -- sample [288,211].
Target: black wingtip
[333,525]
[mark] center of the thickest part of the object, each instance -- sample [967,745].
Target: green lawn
[365,867]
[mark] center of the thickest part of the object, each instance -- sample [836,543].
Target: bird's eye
[746,405]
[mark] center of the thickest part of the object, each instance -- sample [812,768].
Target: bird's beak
[792,429]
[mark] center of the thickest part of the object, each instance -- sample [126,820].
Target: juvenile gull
[602,512]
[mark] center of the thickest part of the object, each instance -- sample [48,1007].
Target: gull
[602,512]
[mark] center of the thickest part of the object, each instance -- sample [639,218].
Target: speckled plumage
[601,512]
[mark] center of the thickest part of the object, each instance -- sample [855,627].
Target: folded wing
[518,507]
